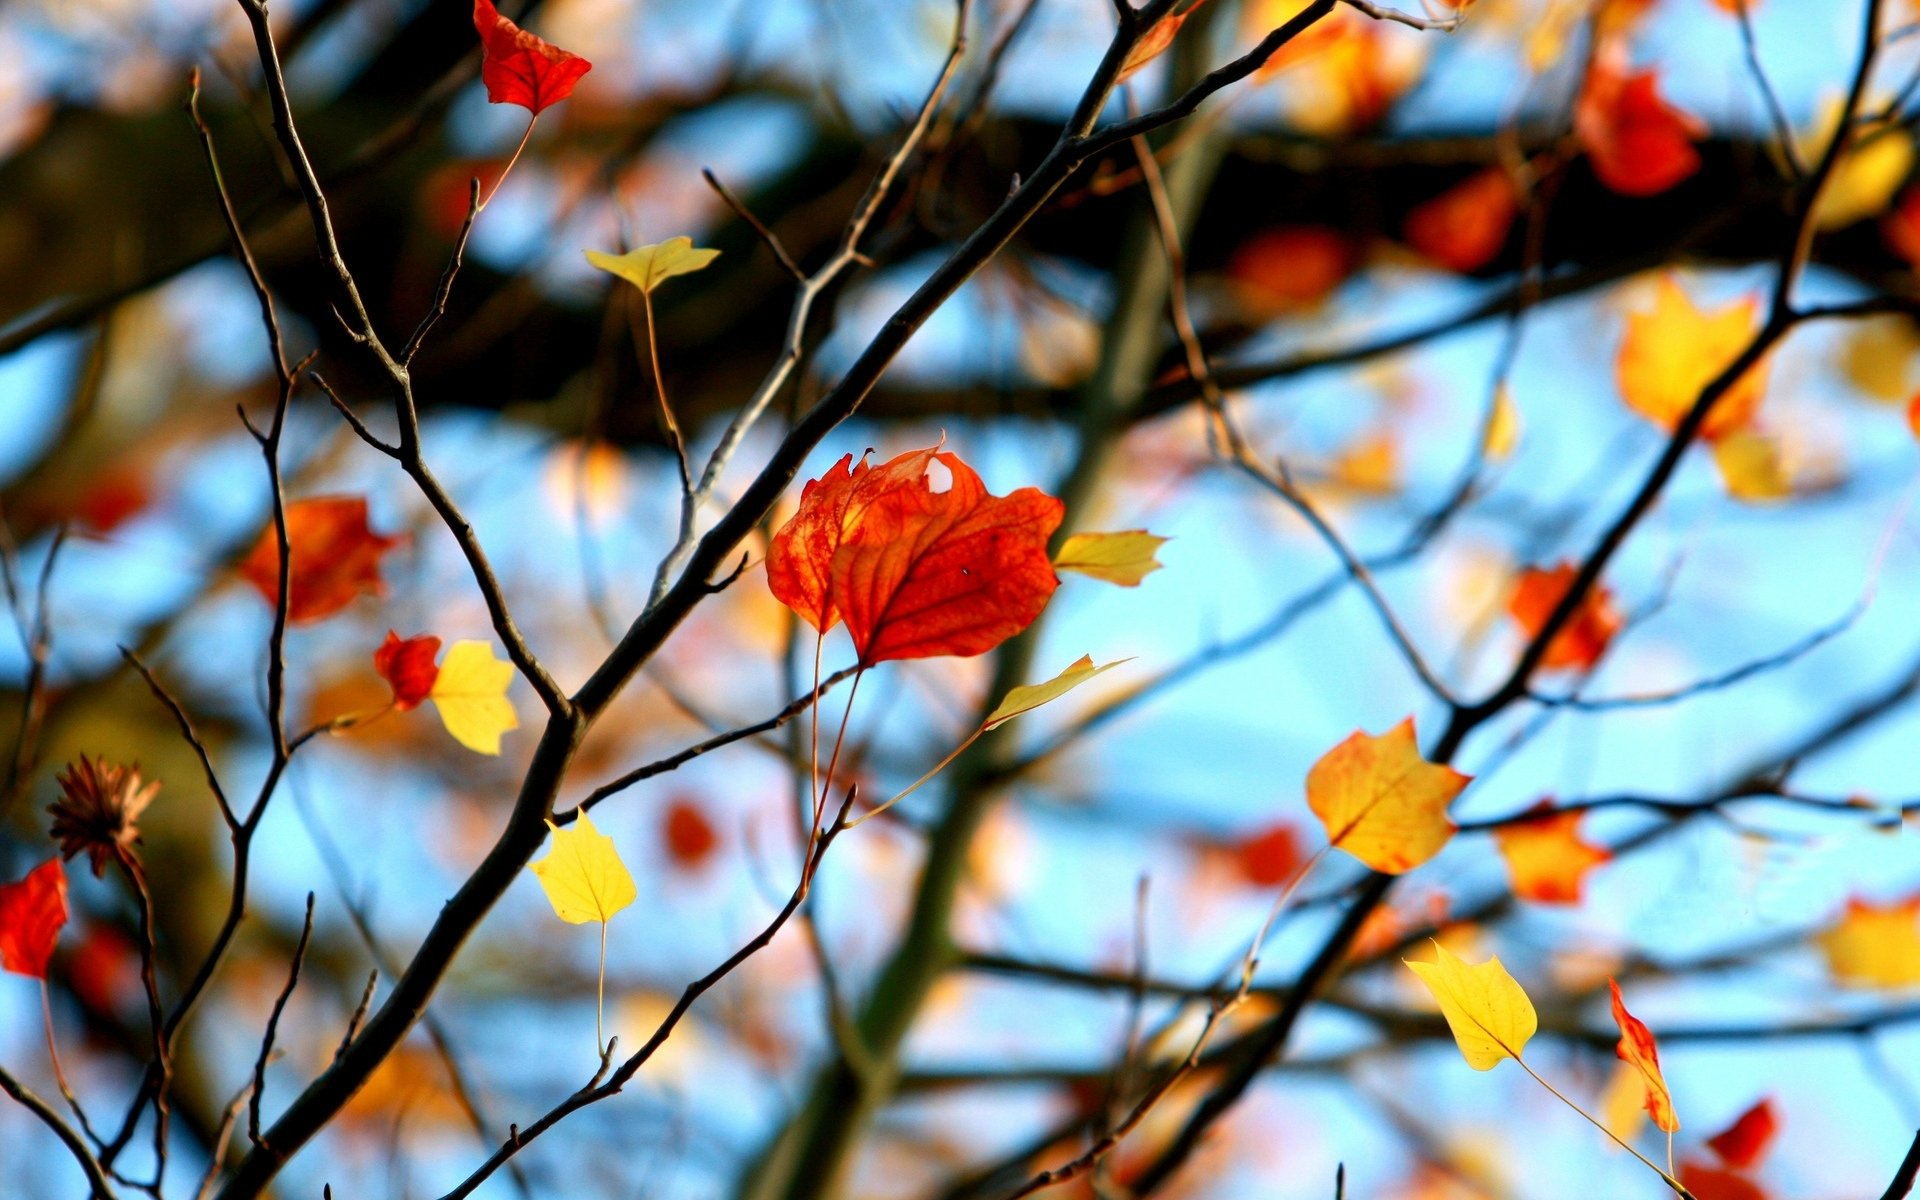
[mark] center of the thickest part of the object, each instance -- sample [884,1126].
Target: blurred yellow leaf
[1547,861]
[1489,1013]
[1369,465]
[1124,558]
[1877,357]
[1866,178]
[582,875]
[1503,428]
[1029,696]
[647,267]
[1381,802]
[1672,350]
[1875,945]
[1752,467]
[1623,1107]
[471,696]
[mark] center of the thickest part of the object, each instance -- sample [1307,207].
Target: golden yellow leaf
[1381,802]
[1866,178]
[582,875]
[1623,1105]
[1489,1014]
[1875,945]
[471,696]
[1029,696]
[1503,429]
[647,267]
[1547,861]
[1371,465]
[1124,558]
[1674,349]
[1877,357]
[1752,467]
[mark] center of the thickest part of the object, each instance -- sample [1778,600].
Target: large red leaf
[31,914]
[519,68]
[915,572]
[1638,143]
[335,556]
[408,667]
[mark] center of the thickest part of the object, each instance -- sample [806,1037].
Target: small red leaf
[1638,143]
[689,837]
[336,557]
[519,68]
[1271,857]
[1744,1143]
[1585,636]
[31,914]
[408,667]
[1464,227]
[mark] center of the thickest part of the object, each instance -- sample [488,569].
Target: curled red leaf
[408,667]
[521,68]
[32,911]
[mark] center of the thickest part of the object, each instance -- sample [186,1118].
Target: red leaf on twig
[520,68]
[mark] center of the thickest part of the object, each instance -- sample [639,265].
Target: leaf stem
[600,997]
[1617,1139]
[915,785]
[502,177]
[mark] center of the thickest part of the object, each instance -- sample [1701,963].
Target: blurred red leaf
[1638,143]
[103,967]
[336,557]
[915,572]
[690,838]
[1584,638]
[1744,1143]
[1900,226]
[1712,1183]
[31,914]
[408,667]
[1271,857]
[1546,858]
[1464,227]
[519,68]
[1290,268]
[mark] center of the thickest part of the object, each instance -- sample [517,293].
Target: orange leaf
[336,557]
[1584,638]
[408,667]
[1639,144]
[1744,1143]
[1546,859]
[519,68]
[1875,945]
[1154,42]
[1271,857]
[913,571]
[1671,352]
[1712,1183]
[688,835]
[31,914]
[1900,226]
[1295,267]
[1383,803]
[1465,227]
[1637,1049]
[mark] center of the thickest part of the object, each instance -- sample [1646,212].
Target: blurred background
[1364,355]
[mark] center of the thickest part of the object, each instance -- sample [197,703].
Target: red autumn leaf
[1290,268]
[31,914]
[1638,143]
[915,572]
[519,68]
[1900,226]
[1270,858]
[1464,227]
[1744,1143]
[689,837]
[103,968]
[1584,638]
[1712,1183]
[408,667]
[336,557]
[1636,1048]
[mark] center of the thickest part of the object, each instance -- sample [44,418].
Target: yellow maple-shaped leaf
[1867,176]
[1381,802]
[582,875]
[1672,350]
[647,267]
[471,695]
[1124,558]
[1875,945]
[1029,696]
[1503,427]
[1752,467]
[1488,1012]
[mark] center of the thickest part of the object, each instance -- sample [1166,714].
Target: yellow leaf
[647,267]
[1752,468]
[1547,861]
[1029,696]
[1875,945]
[1381,802]
[1673,350]
[471,696]
[1877,357]
[1489,1013]
[582,875]
[1866,178]
[1371,465]
[1623,1105]
[1123,558]
[1503,428]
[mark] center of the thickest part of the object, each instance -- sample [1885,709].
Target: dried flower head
[100,803]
